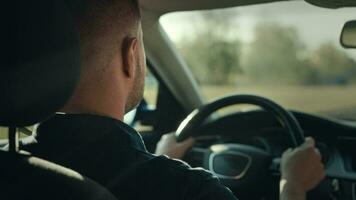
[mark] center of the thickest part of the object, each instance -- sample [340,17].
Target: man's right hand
[302,170]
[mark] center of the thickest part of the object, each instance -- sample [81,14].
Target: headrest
[41,60]
[25,177]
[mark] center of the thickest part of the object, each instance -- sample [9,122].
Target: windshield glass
[289,52]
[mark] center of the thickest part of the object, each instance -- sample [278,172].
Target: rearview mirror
[348,35]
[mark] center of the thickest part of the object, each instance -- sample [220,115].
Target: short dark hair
[109,16]
[112,20]
[78,7]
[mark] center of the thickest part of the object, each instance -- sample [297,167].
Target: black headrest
[41,61]
[24,178]
[39,68]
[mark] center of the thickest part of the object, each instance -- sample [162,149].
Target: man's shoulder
[161,177]
[180,168]
[172,167]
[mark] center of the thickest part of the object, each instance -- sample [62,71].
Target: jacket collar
[76,129]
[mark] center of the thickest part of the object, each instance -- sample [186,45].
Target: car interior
[241,147]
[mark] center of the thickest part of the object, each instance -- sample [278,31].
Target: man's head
[113,59]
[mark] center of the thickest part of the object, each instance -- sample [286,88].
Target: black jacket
[113,154]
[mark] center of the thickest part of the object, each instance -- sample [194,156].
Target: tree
[333,66]
[275,56]
[214,53]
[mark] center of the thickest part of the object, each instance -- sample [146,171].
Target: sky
[315,25]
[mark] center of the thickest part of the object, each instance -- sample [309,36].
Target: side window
[3,133]
[141,117]
[23,132]
[151,89]
[3,137]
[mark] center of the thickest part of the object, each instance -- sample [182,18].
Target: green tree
[213,54]
[275,56]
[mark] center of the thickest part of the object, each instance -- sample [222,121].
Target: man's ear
[129,50]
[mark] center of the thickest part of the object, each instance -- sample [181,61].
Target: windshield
[288,52]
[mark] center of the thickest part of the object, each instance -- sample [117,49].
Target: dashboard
[336,141]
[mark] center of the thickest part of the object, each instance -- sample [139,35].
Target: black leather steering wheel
[245,169]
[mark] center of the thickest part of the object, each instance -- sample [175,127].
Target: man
[92,139]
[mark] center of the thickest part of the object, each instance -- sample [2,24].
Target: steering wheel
[244,169]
